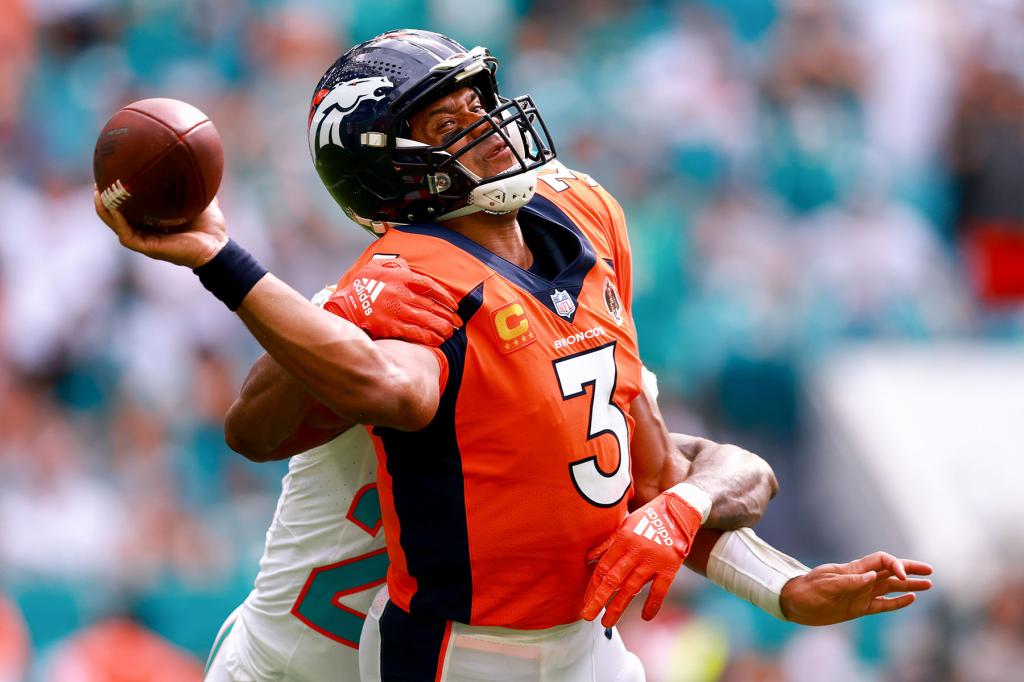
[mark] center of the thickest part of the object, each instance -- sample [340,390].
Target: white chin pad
[504,196]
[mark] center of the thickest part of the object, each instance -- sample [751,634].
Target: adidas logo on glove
[367,291]
[653,528]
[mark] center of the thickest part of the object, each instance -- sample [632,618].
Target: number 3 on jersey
[319,604]
[596,367]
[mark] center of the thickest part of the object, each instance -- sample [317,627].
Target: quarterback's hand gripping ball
[387,300]
[652,543]
[159,162]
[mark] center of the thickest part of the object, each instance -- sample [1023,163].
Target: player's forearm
[303,438]
[334,360]
[703,543]
[269,407]
[739,482]
[275,416]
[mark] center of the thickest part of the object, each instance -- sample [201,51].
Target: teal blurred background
[819,192]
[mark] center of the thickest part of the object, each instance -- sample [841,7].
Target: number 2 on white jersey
[319,605]
[596,367]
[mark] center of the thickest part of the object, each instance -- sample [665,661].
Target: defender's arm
[739,483]
[275,417]
[668,511]
[747,566]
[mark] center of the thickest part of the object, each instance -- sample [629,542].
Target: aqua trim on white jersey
[324,558]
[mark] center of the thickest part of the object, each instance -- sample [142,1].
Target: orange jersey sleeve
[624,257]
[600,214]
[382,249]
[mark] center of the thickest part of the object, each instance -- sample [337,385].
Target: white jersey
[324,559]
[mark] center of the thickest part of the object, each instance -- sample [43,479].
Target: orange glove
[651,543]
[387,300]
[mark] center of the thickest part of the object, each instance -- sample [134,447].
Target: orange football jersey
[490,510]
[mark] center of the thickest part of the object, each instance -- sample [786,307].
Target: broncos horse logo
[330,107]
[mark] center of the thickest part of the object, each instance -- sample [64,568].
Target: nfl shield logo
[563,303]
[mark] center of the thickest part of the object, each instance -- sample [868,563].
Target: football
[159,162]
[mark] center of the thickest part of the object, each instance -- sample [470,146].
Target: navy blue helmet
[360,143]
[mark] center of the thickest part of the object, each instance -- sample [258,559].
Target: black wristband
[231,274]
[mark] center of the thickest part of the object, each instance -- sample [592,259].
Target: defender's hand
[387,300]
[833,593]
[652,542]
[194,245]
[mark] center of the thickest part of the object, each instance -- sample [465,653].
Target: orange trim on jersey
[442,655]
[401,585]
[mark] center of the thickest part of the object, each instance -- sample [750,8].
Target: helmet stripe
[425,46]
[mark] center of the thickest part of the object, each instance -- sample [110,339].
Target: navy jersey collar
[569,280]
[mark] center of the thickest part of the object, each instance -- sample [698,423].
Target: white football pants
[579,652]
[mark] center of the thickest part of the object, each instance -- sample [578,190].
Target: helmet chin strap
[498,196]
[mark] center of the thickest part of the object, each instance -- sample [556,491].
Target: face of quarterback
[450,115]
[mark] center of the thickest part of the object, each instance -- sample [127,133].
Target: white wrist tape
[750,568]
[695,497]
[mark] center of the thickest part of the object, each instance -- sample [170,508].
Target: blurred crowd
[796,173]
